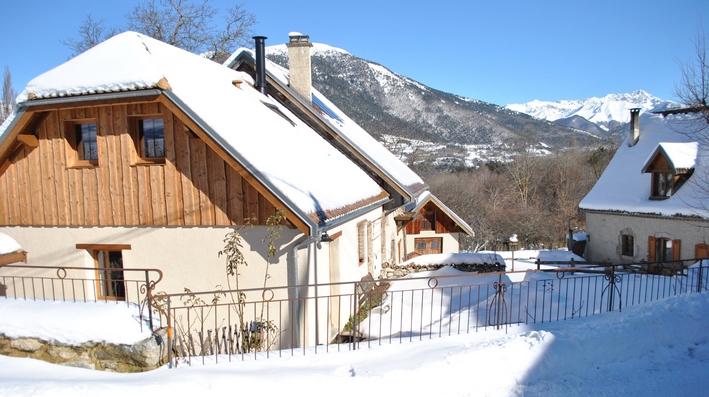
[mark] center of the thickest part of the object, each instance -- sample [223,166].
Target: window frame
[627,245]
[361,242]
[661,179]
[71,132]
[137,132]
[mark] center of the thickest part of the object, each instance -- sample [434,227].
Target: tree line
[533,196]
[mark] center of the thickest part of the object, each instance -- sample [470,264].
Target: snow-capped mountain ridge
[603,111]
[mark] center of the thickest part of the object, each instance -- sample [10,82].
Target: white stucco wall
[605,229]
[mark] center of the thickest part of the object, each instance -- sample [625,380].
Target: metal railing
[82,284]
[288,320]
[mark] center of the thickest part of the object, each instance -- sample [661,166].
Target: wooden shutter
[701,251]
[651,249]
[676,250]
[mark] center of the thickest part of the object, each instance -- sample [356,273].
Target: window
[663,249]
[151,136]
[424,246]
[110,281]
[86,142]
[361,244]
[661,185]
[81,136]
[627,245]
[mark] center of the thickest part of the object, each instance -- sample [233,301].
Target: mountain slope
[386,103]
[606,112]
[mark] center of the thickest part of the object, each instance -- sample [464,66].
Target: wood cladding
[430,217]
[194,186]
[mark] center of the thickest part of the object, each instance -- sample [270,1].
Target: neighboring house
[652,201]
[414,220]
[138,154]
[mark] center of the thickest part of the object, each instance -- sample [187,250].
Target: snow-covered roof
[624,187]
[427,196]
[358,139]
[281,150]
[681,155]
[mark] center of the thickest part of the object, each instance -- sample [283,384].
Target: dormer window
[671,164]
[661,185]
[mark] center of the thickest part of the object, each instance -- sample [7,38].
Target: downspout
[299,308]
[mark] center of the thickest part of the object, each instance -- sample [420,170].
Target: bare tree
[693,89]
[7,103]
[91,32]
[190,25]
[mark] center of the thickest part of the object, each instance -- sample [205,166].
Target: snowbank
[656,349]
[72,323]
[463,258]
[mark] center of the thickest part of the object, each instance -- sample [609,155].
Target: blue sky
[498,51]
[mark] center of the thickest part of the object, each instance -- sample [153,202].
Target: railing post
[149,298]
[169,335]
[355,315]
[538,264]
[699,278]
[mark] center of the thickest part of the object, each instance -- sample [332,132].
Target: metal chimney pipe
[634,126]
[260,63]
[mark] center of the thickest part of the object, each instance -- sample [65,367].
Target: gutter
[92,97]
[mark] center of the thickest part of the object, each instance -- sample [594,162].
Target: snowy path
[655,349]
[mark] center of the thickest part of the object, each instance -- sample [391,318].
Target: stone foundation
[142,356]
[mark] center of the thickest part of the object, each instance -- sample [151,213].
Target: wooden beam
[231,161]
[13,257]
[103,247]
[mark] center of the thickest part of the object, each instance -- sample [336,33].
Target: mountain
[608,112]
[396,108]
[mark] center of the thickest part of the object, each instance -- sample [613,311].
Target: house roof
[625,188]
[355,136]
[427,197]
[311,177]
[682,156]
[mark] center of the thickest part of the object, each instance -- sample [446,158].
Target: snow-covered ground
[72,322]
[657,349]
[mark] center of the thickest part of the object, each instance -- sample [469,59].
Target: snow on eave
[427,196]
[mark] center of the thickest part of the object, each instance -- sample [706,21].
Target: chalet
[415,222]
[652,201]
[139,154]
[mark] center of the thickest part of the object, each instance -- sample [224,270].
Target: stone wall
[398,271]
[142,356]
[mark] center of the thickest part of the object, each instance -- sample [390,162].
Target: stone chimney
[299,64]
[634,126]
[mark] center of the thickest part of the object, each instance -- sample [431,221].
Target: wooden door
[110,283]
[428,245]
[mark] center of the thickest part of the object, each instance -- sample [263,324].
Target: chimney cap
[297,39]
[635,110]
[259,37]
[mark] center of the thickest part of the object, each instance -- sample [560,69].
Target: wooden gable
[431,217]
[196,185]
[658,163]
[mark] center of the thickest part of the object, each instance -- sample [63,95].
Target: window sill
[82,164]
[144,162]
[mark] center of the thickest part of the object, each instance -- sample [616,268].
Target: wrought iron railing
[82,284]
[262,322]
